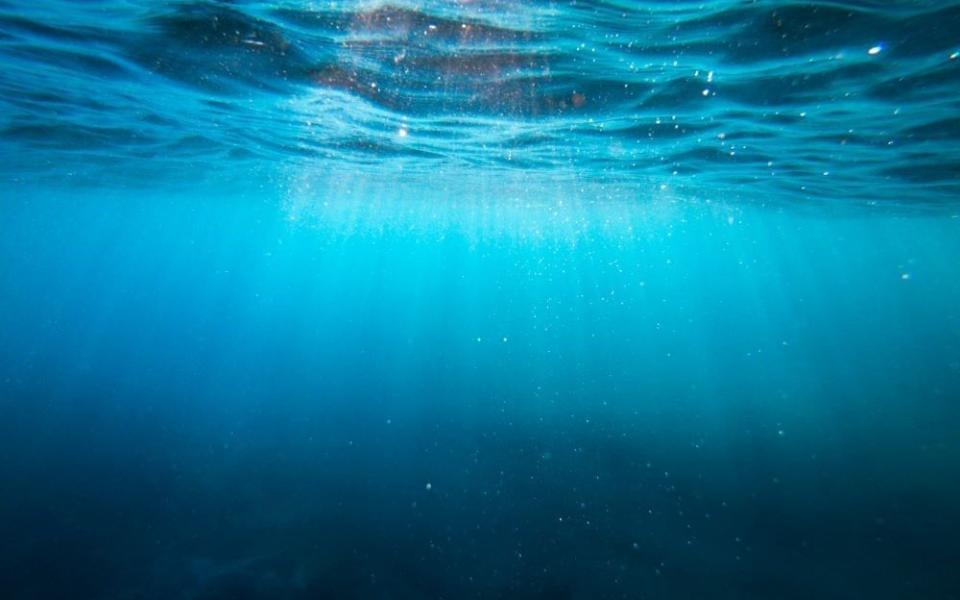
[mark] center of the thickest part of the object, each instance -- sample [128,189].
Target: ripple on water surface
[852,101]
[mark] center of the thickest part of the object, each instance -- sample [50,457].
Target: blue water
[479,299]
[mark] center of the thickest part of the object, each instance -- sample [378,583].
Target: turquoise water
[488,299]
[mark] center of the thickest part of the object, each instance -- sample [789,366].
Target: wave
[854,100]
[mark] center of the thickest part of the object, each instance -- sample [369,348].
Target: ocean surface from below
[479,299]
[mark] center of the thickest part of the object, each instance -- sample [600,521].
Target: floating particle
[955,56]
[905,276]
[403,132]
[705,92]
[875,50]
[429,486]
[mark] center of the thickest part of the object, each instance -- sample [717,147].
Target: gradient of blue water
[488,329]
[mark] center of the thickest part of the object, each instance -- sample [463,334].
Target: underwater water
[479,299]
